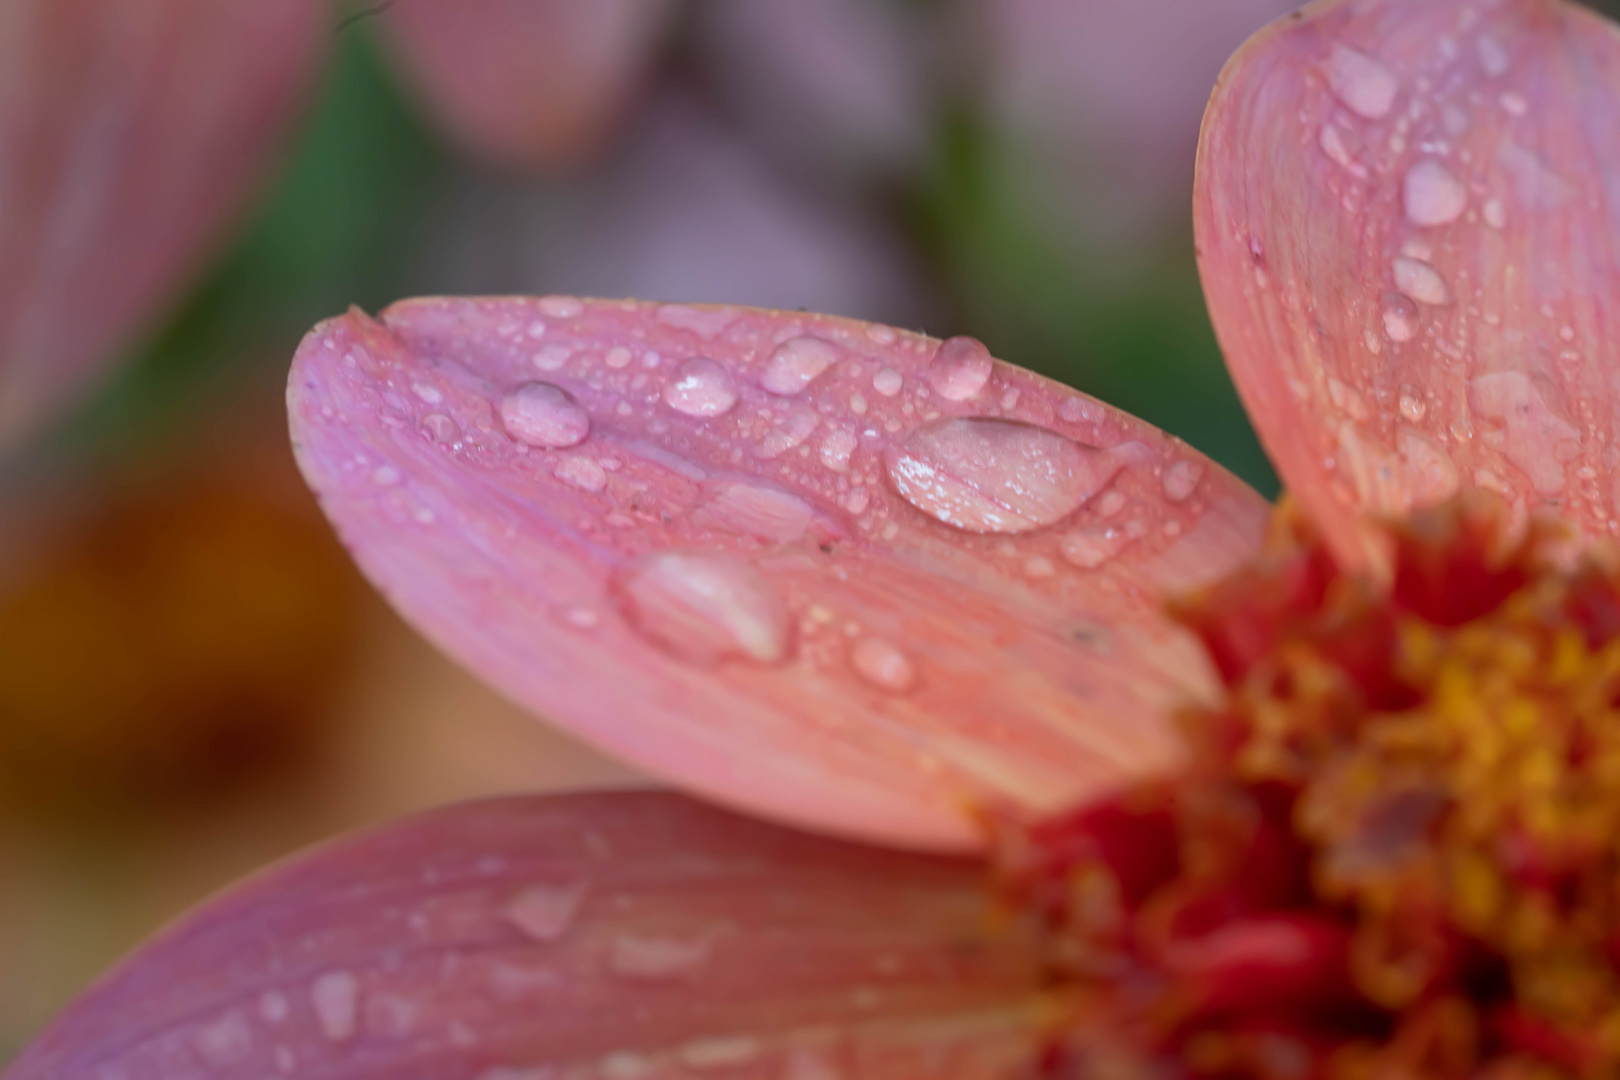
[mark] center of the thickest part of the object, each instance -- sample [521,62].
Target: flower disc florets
[1395,848]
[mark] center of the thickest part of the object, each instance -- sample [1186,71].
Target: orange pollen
[1395,849]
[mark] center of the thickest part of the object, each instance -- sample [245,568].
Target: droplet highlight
[545,415]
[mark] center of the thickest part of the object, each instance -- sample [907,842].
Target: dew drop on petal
[561,307]
[1421,282]
[429,394]
[960,368]
[335,997]
[541,414]
[552,357]
[644,957]
[705,606]
[1366,87]
[887,382]
[582,472]
[545,912]
[836,449]
[1433,196]
[996,476]
[1492,57]
[1412,405]
[1401,319]
[882,664]
[1181,480]
[1495,214]
[1090,547]
[701,387]
[797,363]
[440,428]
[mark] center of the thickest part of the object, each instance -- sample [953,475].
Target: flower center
[1395,848]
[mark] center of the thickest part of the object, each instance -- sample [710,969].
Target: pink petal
[528,83]
[596,935]
[705,566]
[1406,217]
[129,134]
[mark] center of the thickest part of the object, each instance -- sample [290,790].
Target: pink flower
[859,581]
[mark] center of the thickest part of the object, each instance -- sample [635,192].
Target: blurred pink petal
[534,84]
[1099,103]
[686,212]
[1407,216]
[130,133]
[607,935]
[720,546]
[833,89]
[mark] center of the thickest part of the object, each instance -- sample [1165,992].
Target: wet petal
[604,935]
[525,83]
[1407,219]
[129,134]
[779,567]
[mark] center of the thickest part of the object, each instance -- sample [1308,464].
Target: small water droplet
[617,358]
[1495,214]
[1567,333]
[561,307]
[720,1051]
[788,434]
[797,363]
[637,956]
[883,335]
[701,387]
[1492,57]
[1110,504]
[541,414]
[440,428]
[1039,567]
[545,912]
[581,618]
[1428,475]
[1514,104]
[1337,145]
[1094,545]
[888,382]
[706,605]
[429,394]
[335,997]
[1413,407]
[1366,87]
[581,472]
[226,1041]
[1181,480]
[882,664]
[1401,319]
[857,501]
[537,328]
[1433,196]
[960,368]
[996,476]
[385,475]
[1421,282]
[552,357]
[836,449]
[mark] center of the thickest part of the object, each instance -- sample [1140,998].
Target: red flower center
[1395,848]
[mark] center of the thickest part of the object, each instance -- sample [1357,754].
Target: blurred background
[193,679]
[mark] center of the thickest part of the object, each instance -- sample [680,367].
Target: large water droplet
[960,368]
[545,912]
[706,605]
[796,363]
[701,387]
[1421,282]
[1366,86]
[882,664]
[1433,196]
[440,428]
[1181,480]
[996,476]
[644,957]
[542,414]
[335,997]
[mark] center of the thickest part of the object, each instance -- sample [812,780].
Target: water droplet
[1433,195]
[882,664]
[836,449]
[1181,480]
[617,358]
[537,328]
[385,475]
[1495,214]
[1514,104]
[581,472]
[273,1006]
[1421,282]
[720,1051]
[797,363]
[1039,567]
[1366,87]
[788,434]
[1492,57]
[552,357]
[1412,405]
[627,1065]
[641,957]
[888,382]
[1110,504]
[545,912]
[996,476]
[1094,545]
[335,998]
[440,428]
[561,307]
[1428,474]
[1535,438]
[757,510]
[429,394]
[857,501]
[541,414]
[701,387]
[226,1041]
[960,368]
[1401,319]
[706,605]
[1336,144]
